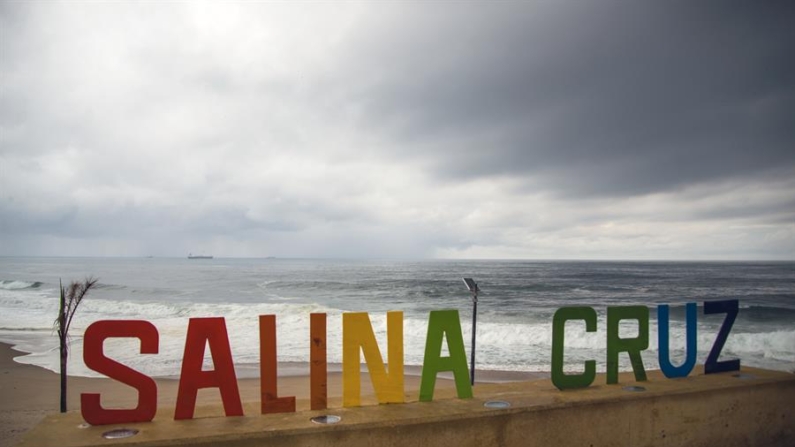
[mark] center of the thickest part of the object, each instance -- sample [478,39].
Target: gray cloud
[528,129]
[602,98]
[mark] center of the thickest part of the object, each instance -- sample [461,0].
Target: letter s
[94,358]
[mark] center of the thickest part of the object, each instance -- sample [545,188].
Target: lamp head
[471,285]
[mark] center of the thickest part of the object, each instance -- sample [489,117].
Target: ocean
[514,320]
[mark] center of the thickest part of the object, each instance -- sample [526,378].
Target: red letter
[94,358]
[270,401]
[202,331]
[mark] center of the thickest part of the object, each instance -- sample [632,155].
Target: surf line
[358,338]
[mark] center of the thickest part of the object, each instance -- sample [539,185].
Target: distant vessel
[192,256]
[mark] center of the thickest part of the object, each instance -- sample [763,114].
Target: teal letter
[441,324]
[631,346]
[663,336]
[559,378]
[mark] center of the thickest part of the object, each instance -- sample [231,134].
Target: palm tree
[71,297]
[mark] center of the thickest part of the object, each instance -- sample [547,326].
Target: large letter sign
[358,338]
[358,332]
[663,336]
[730,308]
[632,346]
[559,378]
[444,324]
[318,367]
[270,402]
[94,358]
[212,332]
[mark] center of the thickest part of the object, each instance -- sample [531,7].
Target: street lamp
[473,288]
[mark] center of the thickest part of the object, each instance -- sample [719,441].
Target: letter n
[357,332]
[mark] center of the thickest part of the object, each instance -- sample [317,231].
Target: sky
[649,130]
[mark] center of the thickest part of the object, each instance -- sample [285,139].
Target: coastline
[30,393]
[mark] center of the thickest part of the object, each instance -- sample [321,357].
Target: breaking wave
[12,284]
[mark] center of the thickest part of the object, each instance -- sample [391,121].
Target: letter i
[318,371]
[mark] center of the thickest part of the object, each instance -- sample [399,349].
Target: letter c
[559,378]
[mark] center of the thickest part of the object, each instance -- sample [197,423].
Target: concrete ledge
[714,410]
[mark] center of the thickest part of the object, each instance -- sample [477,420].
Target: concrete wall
[714,410]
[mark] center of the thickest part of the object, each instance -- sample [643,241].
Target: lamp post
[473,288]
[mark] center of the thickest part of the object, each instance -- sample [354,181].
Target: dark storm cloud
[589,98]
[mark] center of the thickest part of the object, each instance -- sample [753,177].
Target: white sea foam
[506,346]
[508,338]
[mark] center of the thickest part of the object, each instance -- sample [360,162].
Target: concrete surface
[715,410]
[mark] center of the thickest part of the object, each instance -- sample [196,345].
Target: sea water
[514,319]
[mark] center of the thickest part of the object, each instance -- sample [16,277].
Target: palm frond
[70,298]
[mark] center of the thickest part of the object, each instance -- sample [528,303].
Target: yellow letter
[357,332]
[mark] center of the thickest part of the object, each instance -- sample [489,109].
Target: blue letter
[730,308]
[667,368]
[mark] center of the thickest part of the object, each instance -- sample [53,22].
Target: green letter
[559,379]
[631,346]
[441,324]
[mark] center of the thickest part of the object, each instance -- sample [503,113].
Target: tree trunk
[63,375]
[62,339]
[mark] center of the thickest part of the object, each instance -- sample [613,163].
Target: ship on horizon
[192,256]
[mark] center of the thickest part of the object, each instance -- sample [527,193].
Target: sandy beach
[29,393]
